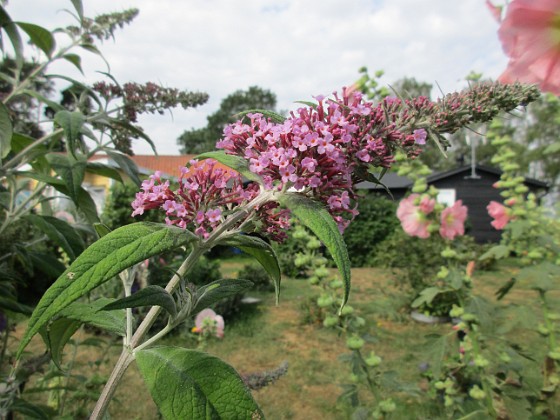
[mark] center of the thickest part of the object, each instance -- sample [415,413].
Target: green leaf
[34,94]
[497,252]
[316,217]
[74,59]
[101,229]
[79,8]
[187,384]
[39,36]
[35,156]
[6,131]
[274,116]
[236,163]
[60,232]
[263,253]
[47,263]
[56,335]
[437,347]
[11,30]
[541,277]
[135,130]
[11,304]
[87,206]
[426,296]
[127,165]
[148,296]
[93,313]
[104,259]
[71,122]
[308,103]
[29,410]
[71,171]
[211,293]
[103,170]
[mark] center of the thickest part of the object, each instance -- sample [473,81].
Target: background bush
[377,221]
[255,273]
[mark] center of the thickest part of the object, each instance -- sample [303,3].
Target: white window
[447,196]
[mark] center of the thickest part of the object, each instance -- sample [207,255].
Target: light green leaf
[101,229]
[497,252]
[11,30]
[74,59]
[91,313]
[87,206]
[60,232]
[6,131]
[39,36]
[71,122]
[56,335]
[426,296]
[274,116]
[310,104]
[437,347]
[211,293]
[35,156]
[127,165]
[148,296]
[316,217]
[187,384]
[236,163]
[263,253]
[104,259]
[79,8]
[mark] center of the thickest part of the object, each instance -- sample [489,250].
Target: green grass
[263,336]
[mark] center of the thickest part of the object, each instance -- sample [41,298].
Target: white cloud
[294,48]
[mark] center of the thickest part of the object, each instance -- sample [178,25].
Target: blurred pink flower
[413,217]
[207,321]
[530,36]
[453,220]
[499,213]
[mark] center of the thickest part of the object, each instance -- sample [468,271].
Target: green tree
[198,140]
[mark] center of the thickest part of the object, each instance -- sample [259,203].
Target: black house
[471,185]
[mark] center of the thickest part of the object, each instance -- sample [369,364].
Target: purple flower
[420,136]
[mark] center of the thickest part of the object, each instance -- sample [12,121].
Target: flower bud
[355,343]
[477,393]
[325,301]
[330,321]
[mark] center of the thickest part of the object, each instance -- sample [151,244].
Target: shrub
[255,273]
[376,221]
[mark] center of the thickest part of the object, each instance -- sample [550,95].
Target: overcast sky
[294,48]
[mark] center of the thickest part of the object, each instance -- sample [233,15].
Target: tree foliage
[199,140]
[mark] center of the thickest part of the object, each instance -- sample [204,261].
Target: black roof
[395,182]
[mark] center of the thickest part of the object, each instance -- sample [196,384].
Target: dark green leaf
[35,156]
[83,87]
[29,410]
[71,122]
[236,163]
[60,232]
[127,165]
[92,314]
[135,130]
[56,336]
[187,384]
[39,36]
[148,296]
[315,217]
[71,171]
[275,117]
[87,206]
[5,131]
[103,170]
[11,304]
[47,263]
[263,253]
[10,28]
[211,293]
[93,49]
[104,259]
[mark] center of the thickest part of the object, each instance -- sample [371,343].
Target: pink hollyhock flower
[208,322]
[499,213]
[530,37]
[453,220]
[413,218]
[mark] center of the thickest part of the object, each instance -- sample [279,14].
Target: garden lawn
[262,337]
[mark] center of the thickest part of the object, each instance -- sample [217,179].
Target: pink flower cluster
[414,215]
[529,36]
[500,214]
[206,195]
[317,150]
